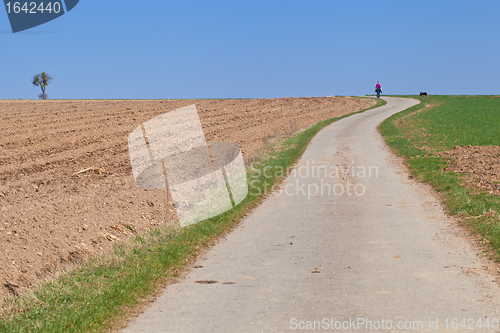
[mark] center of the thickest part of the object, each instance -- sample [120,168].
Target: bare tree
[42,80]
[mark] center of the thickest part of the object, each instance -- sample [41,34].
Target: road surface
[348,243]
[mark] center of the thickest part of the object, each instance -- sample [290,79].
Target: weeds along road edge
[477,211]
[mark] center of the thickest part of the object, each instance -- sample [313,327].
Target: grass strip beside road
[95,296]
[440,123]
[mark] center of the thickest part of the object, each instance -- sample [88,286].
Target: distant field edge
[162,99]
[110,288]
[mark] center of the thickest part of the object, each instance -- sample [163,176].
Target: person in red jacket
[378,89]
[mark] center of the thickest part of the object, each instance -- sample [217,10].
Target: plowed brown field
[479,164]
[53,213]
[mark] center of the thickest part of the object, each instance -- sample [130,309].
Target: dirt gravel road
[383,254]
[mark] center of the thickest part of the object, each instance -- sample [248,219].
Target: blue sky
[275,48]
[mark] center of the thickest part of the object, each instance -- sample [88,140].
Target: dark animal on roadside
[423,93]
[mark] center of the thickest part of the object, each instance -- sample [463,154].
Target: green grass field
[440,123]
[458,121]
[94,297]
